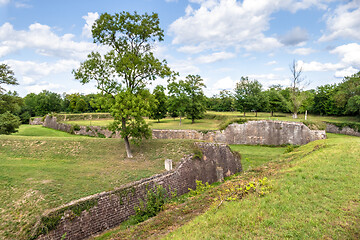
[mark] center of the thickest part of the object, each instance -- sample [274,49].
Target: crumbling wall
[331,128]
[109,209]
[263,132]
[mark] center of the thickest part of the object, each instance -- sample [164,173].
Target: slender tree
[297,81]
[123,73]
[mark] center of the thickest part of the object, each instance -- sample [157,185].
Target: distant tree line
[330,99]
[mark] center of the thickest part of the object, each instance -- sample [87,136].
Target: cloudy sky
[220,40]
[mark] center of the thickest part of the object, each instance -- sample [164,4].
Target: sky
[221,40]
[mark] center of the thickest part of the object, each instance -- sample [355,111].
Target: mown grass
[42,168]
[315,195]
[313,121]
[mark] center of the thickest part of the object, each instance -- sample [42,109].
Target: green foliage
[249,96]
[226,123]
[159,109]
[154,202]
[197,154]
[318,125]
[232,191]
[224,102]
[200,188]
[9,123]
[6,76]
[353,125]
[130,38]
[43,103]
[187,97]
[290,148]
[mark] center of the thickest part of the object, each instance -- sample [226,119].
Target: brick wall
[114,207]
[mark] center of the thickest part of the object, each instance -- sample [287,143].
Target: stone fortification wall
[109,209]
[331,128]
[263,132]
[36,121]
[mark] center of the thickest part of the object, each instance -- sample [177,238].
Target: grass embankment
[315,195]
[43,168]
[217,120]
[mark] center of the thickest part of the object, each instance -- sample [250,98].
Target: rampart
[263,132]
[108,209]
[332,128]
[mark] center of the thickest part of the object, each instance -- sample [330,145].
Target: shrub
[154,201]
[9,123]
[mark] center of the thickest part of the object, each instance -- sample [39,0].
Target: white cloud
[44,41]
[349,53]
[270,79]
[302,51]
[4,2]
[220,24]
[279,69]
[37,88]
[22,5]
[218,56]
[30,73]
[315,66]
[346,72]
[90,20]
[184,67]
[343,22]
[271,63]
[226,83]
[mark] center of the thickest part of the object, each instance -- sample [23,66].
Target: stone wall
[109,209]
[36,121]
[263,132]
[331,128]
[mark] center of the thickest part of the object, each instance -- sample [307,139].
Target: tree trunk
[192,121]
[255,113]
[180,121]
[126,139]
[244,113]
[158,120]
[272,113]
[295,115]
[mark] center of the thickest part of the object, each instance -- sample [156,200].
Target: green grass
[43,168]
[255,156]
[315,195]
[167,123]
[313,121]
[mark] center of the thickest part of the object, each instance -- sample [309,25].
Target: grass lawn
[314,195]
[215,124]
[43,168]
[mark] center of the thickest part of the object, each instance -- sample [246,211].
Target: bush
[154,201]
[9,123]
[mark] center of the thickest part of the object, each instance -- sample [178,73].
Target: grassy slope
[43,168]
[315,197]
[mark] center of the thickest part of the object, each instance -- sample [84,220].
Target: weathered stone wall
[36,121]
[331,128]
[263,132]
[114,207]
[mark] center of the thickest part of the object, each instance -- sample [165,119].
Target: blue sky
[220,40]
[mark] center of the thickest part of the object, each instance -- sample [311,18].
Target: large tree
[123,73]
[159,110]
[9,102]
[249,95]
[348,94]
[187,97]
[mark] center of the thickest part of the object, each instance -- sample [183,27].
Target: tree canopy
[123,73]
